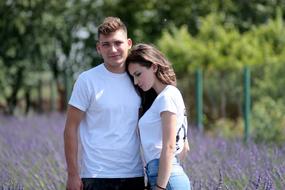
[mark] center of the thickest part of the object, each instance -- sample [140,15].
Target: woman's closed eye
[137,74]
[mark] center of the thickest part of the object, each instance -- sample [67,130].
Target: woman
[163,117]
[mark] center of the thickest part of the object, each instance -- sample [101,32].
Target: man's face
[114,50]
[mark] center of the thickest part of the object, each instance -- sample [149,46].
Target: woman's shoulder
[172,91]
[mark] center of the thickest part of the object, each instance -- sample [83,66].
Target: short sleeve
[80,97]
[167,103]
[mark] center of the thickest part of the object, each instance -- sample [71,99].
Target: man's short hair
[111,24]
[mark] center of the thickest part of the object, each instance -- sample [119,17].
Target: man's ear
[130,43]
[98,48]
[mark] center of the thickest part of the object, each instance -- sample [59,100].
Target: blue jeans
[178,179]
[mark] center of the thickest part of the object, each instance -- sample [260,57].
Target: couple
[104,107]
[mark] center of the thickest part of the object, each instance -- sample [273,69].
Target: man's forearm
[71,150]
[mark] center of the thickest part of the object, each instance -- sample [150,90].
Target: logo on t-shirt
[181,134]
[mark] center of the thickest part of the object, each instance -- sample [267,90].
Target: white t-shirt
[108,132]
[170,99]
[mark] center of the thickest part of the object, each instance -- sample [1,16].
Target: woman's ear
[154,67]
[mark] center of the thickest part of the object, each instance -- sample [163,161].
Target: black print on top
[182,132]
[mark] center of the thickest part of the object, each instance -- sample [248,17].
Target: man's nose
[113,47]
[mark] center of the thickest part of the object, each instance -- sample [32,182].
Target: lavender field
[32,157]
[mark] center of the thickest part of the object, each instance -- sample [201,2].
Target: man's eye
[118,43]
[105,45]
[137,74]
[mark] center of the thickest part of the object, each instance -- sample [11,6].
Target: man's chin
[118,61]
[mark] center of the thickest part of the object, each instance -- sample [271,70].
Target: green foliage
[177,45]
[222,95]
[271,39]
[268,81]
[218,45]
[58,38]
[268,121]
[227,128]
[38,36]
[222,50]
[26,45]
[267,78]
[150,17]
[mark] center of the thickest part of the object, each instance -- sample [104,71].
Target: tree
[220,46]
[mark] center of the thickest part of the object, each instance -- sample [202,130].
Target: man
[104,108]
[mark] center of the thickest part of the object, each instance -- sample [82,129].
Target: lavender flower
[32,157]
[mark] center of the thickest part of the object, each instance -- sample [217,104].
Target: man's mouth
[115,56]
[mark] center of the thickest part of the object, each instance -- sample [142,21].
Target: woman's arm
[168,147]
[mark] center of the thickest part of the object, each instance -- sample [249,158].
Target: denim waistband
[152,167]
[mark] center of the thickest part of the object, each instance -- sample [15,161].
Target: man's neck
[117,69]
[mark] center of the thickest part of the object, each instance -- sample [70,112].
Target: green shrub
[268,121]
[227,128]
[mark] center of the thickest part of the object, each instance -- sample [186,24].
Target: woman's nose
[135,81]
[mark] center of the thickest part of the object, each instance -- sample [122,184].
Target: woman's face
[143,77]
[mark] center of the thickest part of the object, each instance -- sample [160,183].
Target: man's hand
[74,183]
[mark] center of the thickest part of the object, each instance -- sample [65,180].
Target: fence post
[199,98]
[246,101]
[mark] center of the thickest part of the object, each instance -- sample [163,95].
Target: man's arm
[74,117]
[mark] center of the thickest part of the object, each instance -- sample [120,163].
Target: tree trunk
[12,99]
[28,101]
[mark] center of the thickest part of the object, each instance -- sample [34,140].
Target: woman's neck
[159,87]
